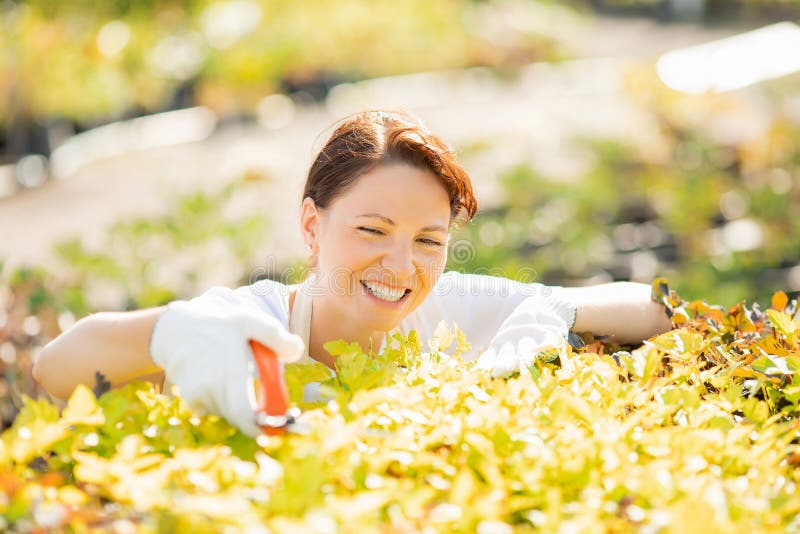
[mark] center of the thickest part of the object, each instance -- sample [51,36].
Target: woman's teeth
[384,294]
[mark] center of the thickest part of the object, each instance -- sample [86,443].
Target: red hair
[365,140]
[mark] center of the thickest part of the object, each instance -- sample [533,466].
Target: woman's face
[385,237]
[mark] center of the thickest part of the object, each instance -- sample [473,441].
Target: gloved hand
[202,345]
[537,323]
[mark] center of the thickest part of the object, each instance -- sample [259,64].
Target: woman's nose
[399,259]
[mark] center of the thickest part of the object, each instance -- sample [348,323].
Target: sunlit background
[151,149]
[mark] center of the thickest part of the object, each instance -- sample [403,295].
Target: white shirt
[477,303]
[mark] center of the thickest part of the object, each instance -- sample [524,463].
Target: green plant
[694,430]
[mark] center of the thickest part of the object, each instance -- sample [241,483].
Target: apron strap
[300,324]
[300,316]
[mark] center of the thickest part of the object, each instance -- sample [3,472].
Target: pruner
[273,413]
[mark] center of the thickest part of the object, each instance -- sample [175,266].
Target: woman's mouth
[385,296]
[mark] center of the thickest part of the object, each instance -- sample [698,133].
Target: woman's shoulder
[270,296]
[266,288]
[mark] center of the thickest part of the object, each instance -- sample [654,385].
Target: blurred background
[152,149]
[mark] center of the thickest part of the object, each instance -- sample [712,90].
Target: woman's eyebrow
[387,220]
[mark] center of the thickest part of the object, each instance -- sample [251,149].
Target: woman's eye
[431,242]
[370,230]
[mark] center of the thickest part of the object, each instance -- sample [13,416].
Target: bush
[700,196]
[121,58]
[696,429]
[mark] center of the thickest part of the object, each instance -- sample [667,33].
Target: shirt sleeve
[479,304]
[266,295]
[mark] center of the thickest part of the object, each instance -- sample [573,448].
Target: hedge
[695,430]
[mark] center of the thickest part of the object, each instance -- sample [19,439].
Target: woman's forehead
[398,185]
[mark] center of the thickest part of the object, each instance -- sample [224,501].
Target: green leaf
[784,324]
[35,410]
[773,365]
[300,374]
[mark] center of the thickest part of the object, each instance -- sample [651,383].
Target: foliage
[205,238]
[693,431]
[31,314]
[115,58]
[703,196]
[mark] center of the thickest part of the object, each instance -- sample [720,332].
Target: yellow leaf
[34,439]
[744,372]
[82,408]
[72,496]
[90,467]
[462,344]
[782,322]
[442,338]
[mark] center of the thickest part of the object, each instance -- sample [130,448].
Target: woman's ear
[309,221]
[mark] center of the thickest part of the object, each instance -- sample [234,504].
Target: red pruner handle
[272,394]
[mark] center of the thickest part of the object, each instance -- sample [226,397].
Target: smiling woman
[385,244]
[379,201]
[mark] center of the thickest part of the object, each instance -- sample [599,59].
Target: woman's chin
[370,324]
[378,322]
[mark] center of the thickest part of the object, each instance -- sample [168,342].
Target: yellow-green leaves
[356,370]
[442,338]
[36,427]
[776,365]
[299,374]
[83,409]
[784,324]
[693,430]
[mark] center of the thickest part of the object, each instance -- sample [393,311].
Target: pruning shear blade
[273,414]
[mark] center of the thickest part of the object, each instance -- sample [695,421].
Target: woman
[379,201]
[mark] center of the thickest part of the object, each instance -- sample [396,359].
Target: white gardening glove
[203,346]
[537,323]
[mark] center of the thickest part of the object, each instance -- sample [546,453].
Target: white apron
[300,316]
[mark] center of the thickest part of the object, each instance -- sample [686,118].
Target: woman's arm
[623,310]
[113,343]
